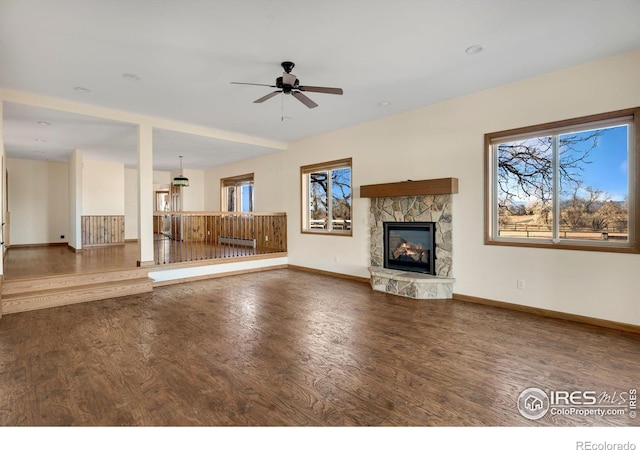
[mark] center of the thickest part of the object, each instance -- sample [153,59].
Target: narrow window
[326,197]
[237,193]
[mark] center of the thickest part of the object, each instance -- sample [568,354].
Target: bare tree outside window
[318,200]
[565,183]
[328,191]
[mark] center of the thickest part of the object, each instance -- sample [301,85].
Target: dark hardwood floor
[294,348]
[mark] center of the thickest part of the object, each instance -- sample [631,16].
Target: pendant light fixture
[181,180]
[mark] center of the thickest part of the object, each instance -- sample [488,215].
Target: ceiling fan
[288,83]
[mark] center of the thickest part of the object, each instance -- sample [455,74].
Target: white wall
[193,196]
[446,140]
[131,203]
[161,177]
[38,201]
[102,188]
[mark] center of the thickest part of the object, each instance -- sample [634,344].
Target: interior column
[76,161]
[145,194]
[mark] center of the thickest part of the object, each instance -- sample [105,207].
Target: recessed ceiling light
[474,49]
[40,140]
[384,103]
[82,90]
[42,122]
[131,76]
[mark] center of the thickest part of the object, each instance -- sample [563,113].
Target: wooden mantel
[410,188]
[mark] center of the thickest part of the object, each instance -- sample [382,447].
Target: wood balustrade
[199,235]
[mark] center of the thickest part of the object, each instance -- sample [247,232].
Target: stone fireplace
[428,201]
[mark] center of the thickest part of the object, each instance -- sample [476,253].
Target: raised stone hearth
[390,203]
[410,284]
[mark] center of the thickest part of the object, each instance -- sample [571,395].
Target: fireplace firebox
[410,246]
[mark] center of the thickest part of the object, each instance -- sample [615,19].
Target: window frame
[304,194]
[236,182]
[490,181]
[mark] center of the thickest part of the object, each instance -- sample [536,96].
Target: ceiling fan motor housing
[286,87]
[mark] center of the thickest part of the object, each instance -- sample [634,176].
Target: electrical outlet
[266,238]
[520,284]
[62,236]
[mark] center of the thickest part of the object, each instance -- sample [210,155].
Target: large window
[571,184]
[237,193]
[326,197]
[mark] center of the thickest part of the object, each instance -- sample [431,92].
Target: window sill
[566,245]
[328,233]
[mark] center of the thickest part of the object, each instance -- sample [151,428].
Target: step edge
[6,297]
[37,303]
[66,280]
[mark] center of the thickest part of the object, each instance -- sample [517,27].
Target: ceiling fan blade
[304,99]
[267,97]
[253,84]
[321,89]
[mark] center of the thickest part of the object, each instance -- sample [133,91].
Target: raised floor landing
[43,261]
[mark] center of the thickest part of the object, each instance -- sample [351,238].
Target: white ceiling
[409,53]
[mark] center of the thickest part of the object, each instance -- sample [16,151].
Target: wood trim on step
[603,323]
[331,274]
[29,294]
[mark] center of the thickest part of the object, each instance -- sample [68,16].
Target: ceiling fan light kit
[289,84]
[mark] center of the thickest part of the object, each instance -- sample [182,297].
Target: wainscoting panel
[102,230]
